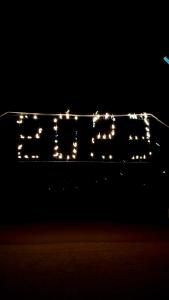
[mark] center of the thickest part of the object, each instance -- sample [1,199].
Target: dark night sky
[86,66]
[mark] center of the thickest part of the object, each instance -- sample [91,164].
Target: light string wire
[85,116]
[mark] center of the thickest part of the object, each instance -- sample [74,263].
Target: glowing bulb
[103,156]
[22,136]
[67,114]
[55,120]
[133,157]
[21,116]
[60,156]
[60,116]
[96,118]
[98,136]
[113,126]
[113,118]
[73,156]
[40,130]
[150,153]
[74,151]
[37,156]
[130,137]
[137,157]
[20,147]
[55,128]
[56,147]
[29,137]
[110,136]
[68,157]
[35,117]
[33,156]
[143,138]
[106,116]
[144,156]
[76,117]
[110,156]
[56,154]
[93,140]
[75,144]
[19,157]
[26,156]
[26,116]
[91,154]
[104,136]
[113,133]
[56,141]
[136,137]
[37,136]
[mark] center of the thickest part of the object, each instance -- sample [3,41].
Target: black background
[84,62]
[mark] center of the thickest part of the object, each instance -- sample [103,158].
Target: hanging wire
[85,115]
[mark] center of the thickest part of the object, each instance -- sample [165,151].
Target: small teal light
[166,59]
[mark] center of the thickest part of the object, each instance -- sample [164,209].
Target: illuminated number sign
[70,137]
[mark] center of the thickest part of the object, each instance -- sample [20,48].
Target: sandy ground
[84,261]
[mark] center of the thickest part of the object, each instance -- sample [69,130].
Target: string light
[107,116]
[28,137]
[67,115]
[37,136]
[104,136]
[40,130]
[99,136]
[147,136]
[57,154]
[20,147]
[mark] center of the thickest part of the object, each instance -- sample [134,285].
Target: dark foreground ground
[84,261]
